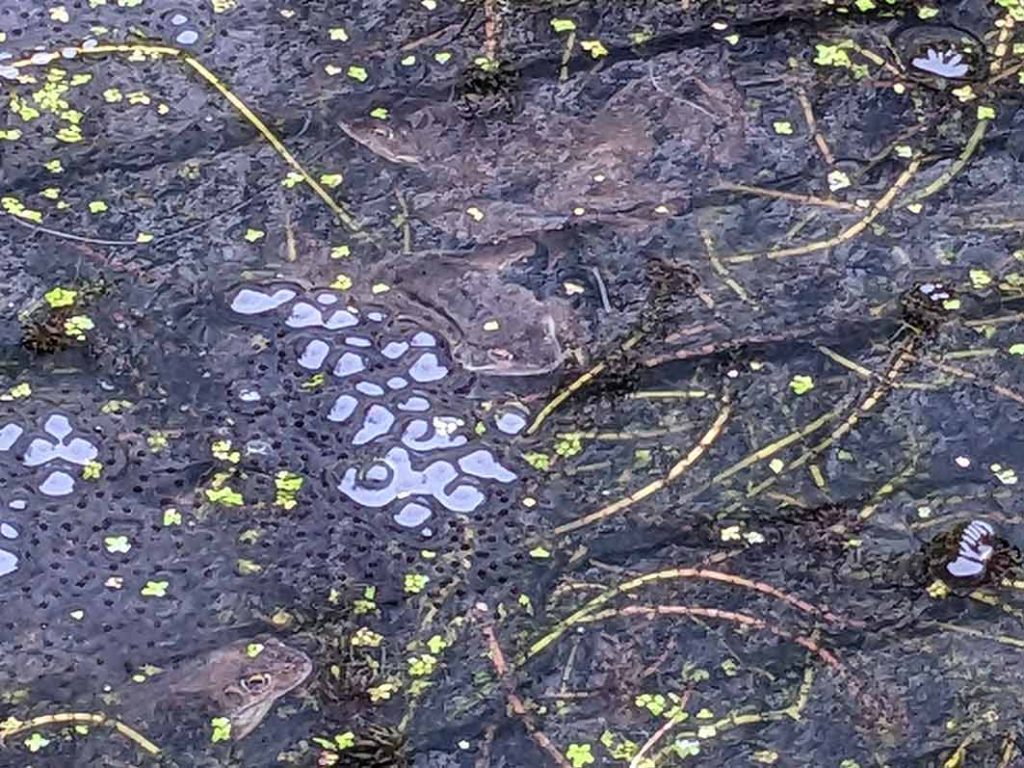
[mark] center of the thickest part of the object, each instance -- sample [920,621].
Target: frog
[495,327]
[240,681]
[659,133]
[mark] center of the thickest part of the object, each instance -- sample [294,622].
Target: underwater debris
[928,304]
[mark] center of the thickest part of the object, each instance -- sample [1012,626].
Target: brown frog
[495,327]
[640,155]
[240,681]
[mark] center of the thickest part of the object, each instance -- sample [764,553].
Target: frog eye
[256,683]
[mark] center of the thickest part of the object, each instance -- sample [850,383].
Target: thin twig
[881,205]
[792,197]
[722,272]
[576,385]
[954,169]
[670,574]
[978,381]
[515,703]
[812,126]
[13,726]
[605,303]
[674,473]
[735,617]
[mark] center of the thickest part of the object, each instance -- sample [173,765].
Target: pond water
[503,383]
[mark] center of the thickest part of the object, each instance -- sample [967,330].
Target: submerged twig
[734,617]
[515,703]
[881,205]
[812,126]
[13,726]
[722,272]
[576,385]
[653,487]
[792,197]
[973,141]
[596,603]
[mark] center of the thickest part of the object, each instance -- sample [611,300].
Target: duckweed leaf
[154,589]
[221,729]
[579,755]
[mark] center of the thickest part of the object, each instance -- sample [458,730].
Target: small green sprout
[341,283]
[221,729]
[98,206]
[345,740]
[690,747]
[801,384]
[980,278]
[331,179]
[380,113]
[540,553]
[595,48]
[246,567]
[1016,349]
[1005,475]
[366,603]
[443,57]
[357,73]
[783,127]
[17,392]
[986,112]
[115,407]
[221,449]
[563,25]
[834,55]
[619,748]
[252,235]
[156,440]
[252,650]
[338,34]
[340,252]
[579,755]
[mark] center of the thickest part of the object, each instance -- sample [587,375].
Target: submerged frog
[633,145]
[495,327]
[240,681]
